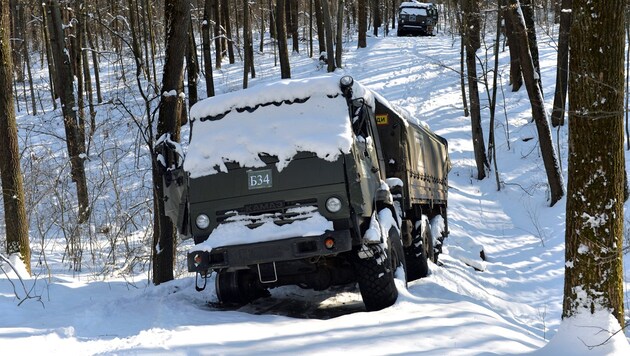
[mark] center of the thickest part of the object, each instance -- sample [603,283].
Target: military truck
[317,183]
[417,18]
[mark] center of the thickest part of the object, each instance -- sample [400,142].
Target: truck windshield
[417,11]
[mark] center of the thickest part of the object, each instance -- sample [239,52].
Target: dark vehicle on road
[316,183]
[417,18]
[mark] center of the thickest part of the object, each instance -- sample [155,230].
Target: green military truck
[316,182]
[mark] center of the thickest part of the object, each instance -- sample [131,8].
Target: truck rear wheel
[419,253]
[374,267]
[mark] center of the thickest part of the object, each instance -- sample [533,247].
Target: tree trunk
[177,14]
[528,15]
[218,44]
[562,67]
[516,77]
[330,51]
[339,44]
[49,56]
[281,32]
[17,37]
[192,66]
[12,188]
[76,41]
[376,16]
[87,77]
[310,28]
[262,29]
[362,40]
[471,21]
[151,33]
[272,21]
[594,216]
[225,9]
[534,92]
[462,56]
[29,73]
[492,152]
[321,33]
[394,12]
[65,90]
[205,47]
[246,43]
[295,36]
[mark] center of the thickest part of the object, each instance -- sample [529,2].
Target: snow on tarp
[278,119]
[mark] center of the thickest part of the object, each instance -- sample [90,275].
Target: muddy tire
[375,271]
[419,253]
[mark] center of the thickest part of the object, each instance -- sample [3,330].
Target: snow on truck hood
[278,119]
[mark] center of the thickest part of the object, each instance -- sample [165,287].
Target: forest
[89,86]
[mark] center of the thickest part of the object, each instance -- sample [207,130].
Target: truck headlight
[333,204]
[202,221]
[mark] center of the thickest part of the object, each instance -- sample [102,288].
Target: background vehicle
[315,183]
[417,18]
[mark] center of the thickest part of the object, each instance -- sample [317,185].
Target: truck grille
[280,212]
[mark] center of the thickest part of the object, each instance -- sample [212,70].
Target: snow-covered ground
[510,304]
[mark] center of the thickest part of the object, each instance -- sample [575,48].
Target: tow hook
[205,281]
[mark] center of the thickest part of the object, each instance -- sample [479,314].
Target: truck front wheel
[374,267]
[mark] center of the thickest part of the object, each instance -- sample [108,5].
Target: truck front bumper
[294,248]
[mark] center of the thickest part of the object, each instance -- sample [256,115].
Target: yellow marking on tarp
[382,119]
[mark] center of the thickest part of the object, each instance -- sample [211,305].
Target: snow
[237,232]
[323,126]
[588,334]
[511,303]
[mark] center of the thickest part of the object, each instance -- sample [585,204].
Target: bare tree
[176,14]
[292,14]
[218,43]
[339,37]
[10,172]
[550,158]
[205,46]
[321,33]
[362,5]
[471,26]
[594,217]
[248,62]
[376,16]
[192,66]
[65,90]
[516,76]
[527,7]
[562,66]
[281,33]
[330,51]
[225,16]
